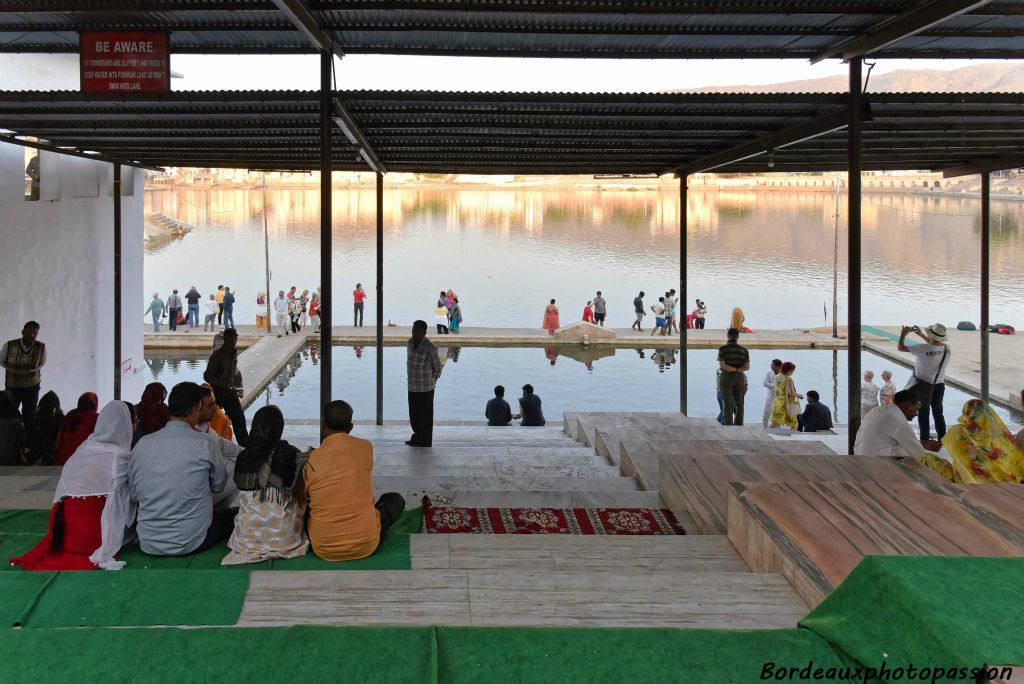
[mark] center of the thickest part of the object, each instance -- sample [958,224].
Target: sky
[389,72]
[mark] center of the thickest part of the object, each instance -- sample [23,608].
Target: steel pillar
[380,298]
[853,336]
[115,191]
[326,272]
[684,297]
[986,221]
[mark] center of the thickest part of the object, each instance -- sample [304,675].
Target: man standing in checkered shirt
[424,368]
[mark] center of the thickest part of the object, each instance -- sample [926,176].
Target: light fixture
[771,158]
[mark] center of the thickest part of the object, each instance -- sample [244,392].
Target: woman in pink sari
[550,318]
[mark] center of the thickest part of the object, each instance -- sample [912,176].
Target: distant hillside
[979,78]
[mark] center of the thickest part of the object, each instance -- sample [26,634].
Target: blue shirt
[530,409]
[173,474]
[498,412]
[638,304]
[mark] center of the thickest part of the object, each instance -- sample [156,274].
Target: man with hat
[928,381]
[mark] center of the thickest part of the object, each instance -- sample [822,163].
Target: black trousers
[220,314]
[733,386]
[227,399]
[221,527]
[26,399]
[442,329]
[934,403]
[421,417]
[698,323]
[357,315]
[390,506]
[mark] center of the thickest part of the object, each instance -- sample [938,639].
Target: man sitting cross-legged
[344,523]
[174,474]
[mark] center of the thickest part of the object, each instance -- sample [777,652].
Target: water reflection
[507,251]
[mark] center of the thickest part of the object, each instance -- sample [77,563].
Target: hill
[979,78]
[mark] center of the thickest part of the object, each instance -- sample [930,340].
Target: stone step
[496,470]
[488,455]
[496,597]
[549,499]
[418,485]
[566,552]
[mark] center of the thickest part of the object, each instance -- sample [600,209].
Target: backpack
[965,325]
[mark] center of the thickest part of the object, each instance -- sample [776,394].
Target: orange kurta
[343,522]
[221,424]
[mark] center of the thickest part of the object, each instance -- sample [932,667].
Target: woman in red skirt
[91,506]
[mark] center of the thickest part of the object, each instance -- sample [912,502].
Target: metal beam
[777,140]
[326,273]
[303,20]
[380,298]
[73,153]
[893,30]
[351,129]
[986,196]
[983,166]
[853,305]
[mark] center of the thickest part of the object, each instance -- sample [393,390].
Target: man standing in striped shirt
[423,365]
[733,360]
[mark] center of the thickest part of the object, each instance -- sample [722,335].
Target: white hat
[936,331]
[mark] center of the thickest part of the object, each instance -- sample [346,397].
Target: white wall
[56,267]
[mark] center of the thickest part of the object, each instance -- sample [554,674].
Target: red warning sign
[124,63]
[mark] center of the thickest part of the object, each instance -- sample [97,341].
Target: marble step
[550,499]
[496,597]
[496,470]
[469,456]
[422,484]
[682,554]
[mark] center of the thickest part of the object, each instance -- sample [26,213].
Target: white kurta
[769,400]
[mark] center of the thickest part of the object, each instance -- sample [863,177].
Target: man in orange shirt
[344,522]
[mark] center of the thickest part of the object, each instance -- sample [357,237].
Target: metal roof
[539,28]
[447,132]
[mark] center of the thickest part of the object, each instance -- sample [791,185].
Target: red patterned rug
[619,521]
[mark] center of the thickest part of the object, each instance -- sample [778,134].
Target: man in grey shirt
[173,476]
[600,309]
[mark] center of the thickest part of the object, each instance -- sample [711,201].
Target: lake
[626,380]
[506,252]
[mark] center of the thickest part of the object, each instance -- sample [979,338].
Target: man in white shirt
[281,308]
[930,363]
[885,431]
[212,308]
[770,379]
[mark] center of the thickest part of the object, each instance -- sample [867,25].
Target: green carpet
[414,654]
[21,529]
[294,654]
[113,599]
[927,611]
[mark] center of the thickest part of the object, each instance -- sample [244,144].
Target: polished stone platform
[815,533]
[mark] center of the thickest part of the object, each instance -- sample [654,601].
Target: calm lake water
[628,380]
[506,252]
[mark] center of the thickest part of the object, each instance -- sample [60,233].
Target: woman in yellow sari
[786,397]
[983,450]
[982,447]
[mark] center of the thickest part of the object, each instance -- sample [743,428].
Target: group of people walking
[219,310]
[295,310]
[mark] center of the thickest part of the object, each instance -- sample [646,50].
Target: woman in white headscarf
[91,507]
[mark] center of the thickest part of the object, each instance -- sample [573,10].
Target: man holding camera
[928,382]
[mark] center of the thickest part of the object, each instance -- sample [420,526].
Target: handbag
[923,389]
[793,409]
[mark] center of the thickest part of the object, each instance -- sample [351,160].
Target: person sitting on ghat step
[498,413]
[885,431]
[816,415]
[173,475]
[337,481]
[529,407]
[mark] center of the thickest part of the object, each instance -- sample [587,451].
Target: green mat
[95,598]
[20,530]
[927,611]
[415,654]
